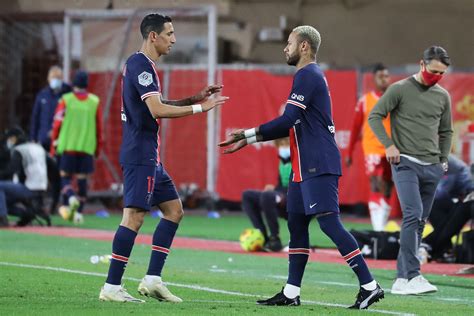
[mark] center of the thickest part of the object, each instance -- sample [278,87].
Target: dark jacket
[43,114]
[457,182]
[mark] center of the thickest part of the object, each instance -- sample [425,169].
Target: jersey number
[151,183]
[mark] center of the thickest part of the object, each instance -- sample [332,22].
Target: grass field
[228,227]
[50,275]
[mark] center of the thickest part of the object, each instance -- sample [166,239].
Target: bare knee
[172,210]
[133,218]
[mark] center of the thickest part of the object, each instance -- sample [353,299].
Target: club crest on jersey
[298,97]
[145,79]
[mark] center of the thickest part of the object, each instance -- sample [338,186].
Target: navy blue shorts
[147,186]
[74,163]
[315,195]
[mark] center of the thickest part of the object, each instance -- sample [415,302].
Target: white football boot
[152,286]
[117,294]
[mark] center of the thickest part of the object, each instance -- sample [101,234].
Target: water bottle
[100,259]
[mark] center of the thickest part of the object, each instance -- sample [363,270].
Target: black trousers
[260,204]
[447,218]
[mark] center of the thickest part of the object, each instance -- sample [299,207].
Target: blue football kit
[315,158]
[146,182]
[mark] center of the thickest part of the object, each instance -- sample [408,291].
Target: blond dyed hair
[309,34]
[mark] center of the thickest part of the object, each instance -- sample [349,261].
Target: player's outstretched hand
[211,103]
[207,92]
[237,146]
[234,137]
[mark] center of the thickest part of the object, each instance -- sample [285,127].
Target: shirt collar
[149,59]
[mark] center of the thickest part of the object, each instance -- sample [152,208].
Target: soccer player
[316,168]
[376,166]
[146,182]
[76,138]
[421,126]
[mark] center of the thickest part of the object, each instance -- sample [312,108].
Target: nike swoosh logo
[312,205]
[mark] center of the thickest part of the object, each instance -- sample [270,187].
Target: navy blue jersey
[308,121]
[140,140]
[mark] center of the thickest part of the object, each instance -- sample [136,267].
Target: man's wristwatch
[445,166]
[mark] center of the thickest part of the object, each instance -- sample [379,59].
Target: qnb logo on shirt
[298,97]
[332,129]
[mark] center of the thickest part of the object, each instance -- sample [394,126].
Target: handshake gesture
[239,139]
[207,103]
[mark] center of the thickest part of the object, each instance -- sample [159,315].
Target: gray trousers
[416,185]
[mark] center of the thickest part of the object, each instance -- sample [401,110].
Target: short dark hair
[14,131]
[153,22]
[437,53]
[81,79]
[378,67]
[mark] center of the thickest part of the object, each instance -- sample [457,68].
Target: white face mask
[55,83]
[284,152]
[10,144]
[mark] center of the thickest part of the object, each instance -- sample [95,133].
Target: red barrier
[184,142]
[257,96]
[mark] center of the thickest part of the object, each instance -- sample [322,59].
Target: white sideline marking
[189,286]
[284,277]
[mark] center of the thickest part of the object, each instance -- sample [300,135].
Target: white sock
[111,287]
[376,216]
[291,291]
[387,209]
[152,279]
[370,286]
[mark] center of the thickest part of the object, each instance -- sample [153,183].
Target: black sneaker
[366,298]
[273,244]
[280,300]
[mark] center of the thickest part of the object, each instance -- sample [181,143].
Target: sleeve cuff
[149,94]
[298,104]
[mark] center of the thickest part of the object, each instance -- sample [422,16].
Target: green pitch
[228,227]
[52,275]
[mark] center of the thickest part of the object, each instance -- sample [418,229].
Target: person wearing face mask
[418,149]
[376,167]
[24,179]
[271,201]
[44,107]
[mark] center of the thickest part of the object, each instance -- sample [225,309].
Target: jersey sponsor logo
[145,79]
[298,97]
[332,129]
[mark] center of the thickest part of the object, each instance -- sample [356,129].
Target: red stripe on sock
[298,251]
[352,254]
[119,258]
[161,249]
